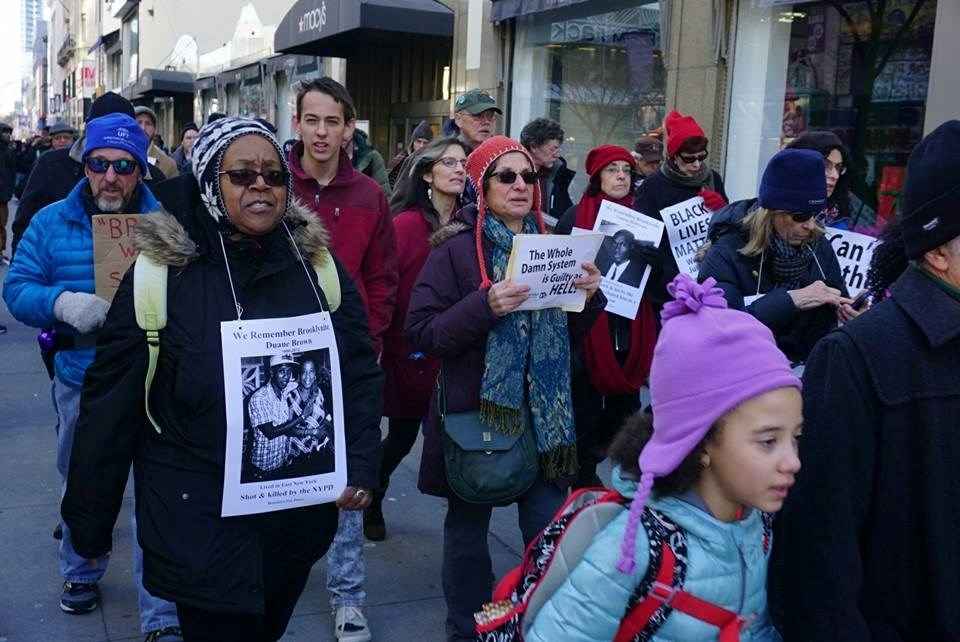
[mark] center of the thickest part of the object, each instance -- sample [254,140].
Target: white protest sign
[623,275]
[548,263]
[285,422]
[854,251]
[687,225]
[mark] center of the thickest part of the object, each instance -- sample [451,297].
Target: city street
[404,595]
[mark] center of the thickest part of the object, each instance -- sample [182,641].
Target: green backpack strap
[327,277]
[150,306]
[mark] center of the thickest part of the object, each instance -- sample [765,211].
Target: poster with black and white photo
[285,433]
[623,273]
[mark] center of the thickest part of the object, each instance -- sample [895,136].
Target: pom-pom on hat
[794,181]
[689,394]
[478,162]
[117,131]
[680,128]
[600,157]
[930,216]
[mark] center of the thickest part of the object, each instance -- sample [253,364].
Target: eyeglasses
[839,168]
[509,177]
[247,177]
[122,167]
[690,160]
[487,116]
[450,163]
[802,217]
[617,169]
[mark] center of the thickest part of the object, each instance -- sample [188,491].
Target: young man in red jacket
[355,211]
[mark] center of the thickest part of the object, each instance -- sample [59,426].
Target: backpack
[558,548]
[150,305]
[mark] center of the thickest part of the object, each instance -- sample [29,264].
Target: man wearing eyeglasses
[51,285]
[475,115]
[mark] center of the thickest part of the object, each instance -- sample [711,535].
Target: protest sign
[282,373]
[854,251]
[113,251]
[687,225]
[548,263]
[624,275]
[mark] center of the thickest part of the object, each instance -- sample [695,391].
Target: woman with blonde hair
[770,257]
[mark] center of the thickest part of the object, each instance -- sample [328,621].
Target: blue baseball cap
[117,131]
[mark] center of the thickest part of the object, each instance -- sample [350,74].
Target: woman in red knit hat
[511,365]
[613,361]
[684,174]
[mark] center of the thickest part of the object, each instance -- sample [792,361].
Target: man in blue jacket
[51,284]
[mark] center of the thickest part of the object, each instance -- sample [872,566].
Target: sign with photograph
[687,224]
[854,252]
[623,274]
[113,251]
[285,432]
[549,263]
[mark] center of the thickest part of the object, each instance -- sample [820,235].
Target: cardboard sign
[687,224]
[548,263]
[624,275]
[854,252]
[113,251]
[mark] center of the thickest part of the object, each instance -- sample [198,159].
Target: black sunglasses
[247,177]
[122,167]
[802,217]
[509,177]
[690,160]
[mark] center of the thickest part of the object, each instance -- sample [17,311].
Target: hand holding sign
[504,297]
[552,269]
[590,282]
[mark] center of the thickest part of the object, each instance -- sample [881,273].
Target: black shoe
[374,529]
[58,532]
[79,598]
[167,634]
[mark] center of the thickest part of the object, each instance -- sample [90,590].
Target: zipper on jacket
[743,580]
[316,198]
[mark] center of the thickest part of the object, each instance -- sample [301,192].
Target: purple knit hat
[708,360]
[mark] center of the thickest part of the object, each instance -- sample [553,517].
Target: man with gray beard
[51,285]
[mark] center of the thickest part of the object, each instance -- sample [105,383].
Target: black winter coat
[9,165]
[655,193]
[796,330]
[560,199]
[51,179]
[191,554]
[870,530]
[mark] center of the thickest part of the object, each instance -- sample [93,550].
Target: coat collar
[76,211]
[930,308]
[344,167]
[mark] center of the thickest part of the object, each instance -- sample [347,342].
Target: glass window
[858,69]
[596,68]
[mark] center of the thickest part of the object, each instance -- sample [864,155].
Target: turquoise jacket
[55,256]
[726,565]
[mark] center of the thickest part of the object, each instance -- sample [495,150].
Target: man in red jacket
[355,211]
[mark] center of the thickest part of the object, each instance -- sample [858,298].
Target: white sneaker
[350,625]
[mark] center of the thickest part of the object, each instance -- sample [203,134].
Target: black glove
[648,253]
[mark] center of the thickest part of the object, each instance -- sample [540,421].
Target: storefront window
[858,69]
[596,68]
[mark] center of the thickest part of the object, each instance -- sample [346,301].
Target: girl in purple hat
[705,478]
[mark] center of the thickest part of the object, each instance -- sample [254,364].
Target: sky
[9,55]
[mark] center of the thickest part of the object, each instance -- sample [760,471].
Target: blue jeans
[467,571]
[345,570]
[155,613]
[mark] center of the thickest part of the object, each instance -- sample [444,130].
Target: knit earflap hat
[600,157]
[680,128]
[207,155]
[708,360]
[478,162]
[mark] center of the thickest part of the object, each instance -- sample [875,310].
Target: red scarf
[606,374]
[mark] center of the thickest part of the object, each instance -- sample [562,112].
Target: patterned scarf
[528,365]
[790,263]
[703,177]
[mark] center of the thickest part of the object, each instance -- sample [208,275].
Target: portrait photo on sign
[618,259]
[288,429]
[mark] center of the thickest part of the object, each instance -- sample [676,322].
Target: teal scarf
[528,365]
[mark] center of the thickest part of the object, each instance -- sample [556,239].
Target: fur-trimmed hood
[463,220]
[162,237]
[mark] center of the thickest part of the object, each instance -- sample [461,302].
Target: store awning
[163,82]
[342,27]
[503,9]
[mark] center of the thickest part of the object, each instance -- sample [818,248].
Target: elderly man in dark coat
[870,541]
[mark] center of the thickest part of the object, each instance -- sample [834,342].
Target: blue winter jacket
[54,256]
[726,566]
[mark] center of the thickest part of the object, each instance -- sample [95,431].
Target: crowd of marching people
[722,521]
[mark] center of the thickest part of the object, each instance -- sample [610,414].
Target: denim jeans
[467,571]
[155,613]
[345,570]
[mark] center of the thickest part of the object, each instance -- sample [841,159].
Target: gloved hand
[86,312]
[648,253]
[712,199]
